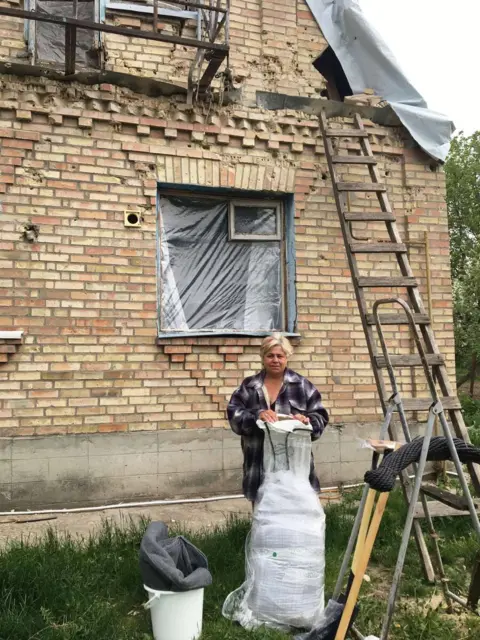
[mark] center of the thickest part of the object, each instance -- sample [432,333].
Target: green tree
[462,170]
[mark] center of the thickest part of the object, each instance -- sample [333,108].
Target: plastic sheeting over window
[369,64]
[50,38]
[211,283]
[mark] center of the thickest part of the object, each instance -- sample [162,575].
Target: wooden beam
[345,133]
[424,404]
[351,159]
[398,318]
[361,186]
[377,247]
[438,510]
[375,282]
[411,360]
[447,498]
[474,590]
[155,16]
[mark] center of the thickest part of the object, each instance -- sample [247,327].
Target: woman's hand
[300,418]
[268,416]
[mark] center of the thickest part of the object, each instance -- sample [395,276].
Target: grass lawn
[61,589]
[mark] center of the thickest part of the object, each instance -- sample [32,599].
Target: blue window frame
[225,262]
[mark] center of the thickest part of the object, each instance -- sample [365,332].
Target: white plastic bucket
[176,615]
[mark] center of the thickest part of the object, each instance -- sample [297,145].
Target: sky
[437,44]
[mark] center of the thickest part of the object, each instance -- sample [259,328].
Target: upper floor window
[46,41]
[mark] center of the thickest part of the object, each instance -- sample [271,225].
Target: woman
[275,390]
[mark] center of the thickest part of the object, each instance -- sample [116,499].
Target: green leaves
[462,170]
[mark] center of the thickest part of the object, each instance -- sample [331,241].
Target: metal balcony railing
[211,43]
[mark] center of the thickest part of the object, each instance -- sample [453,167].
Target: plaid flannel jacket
[298,395]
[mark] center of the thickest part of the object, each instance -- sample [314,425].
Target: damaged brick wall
[12,43]
[84,290]
[272,47]
[144,419]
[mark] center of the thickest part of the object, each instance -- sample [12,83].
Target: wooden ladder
[405,280]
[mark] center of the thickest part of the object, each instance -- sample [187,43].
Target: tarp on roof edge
[369,64]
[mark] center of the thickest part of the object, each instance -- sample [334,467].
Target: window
[254,221]
[46,41]
[222,265]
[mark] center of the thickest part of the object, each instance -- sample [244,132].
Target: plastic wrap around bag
[285,555]
[209,283]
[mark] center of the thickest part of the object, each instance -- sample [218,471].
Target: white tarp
[369,64]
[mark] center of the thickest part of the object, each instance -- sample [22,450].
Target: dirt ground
[191,516]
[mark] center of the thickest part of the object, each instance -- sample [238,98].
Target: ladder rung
[361,186]
[372,282]
[438,510]
[398,318]
[377,247]
[346,133]
[354,160]
[412,360]
[370,216]
[445,497]
[424,404]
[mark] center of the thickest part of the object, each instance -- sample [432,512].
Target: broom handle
[361,567]
[362,533]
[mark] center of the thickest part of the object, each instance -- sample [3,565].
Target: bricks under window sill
[218,334]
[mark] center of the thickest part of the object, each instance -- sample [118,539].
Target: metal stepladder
[413,315]
[436,411]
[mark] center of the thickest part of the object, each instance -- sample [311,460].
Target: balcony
[170,47]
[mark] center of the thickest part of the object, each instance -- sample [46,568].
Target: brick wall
[85,292]
[272,47]
[12,44]
[72,160]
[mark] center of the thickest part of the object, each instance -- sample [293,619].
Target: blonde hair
[275,340]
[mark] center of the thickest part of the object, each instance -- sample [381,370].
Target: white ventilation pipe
[149,503]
